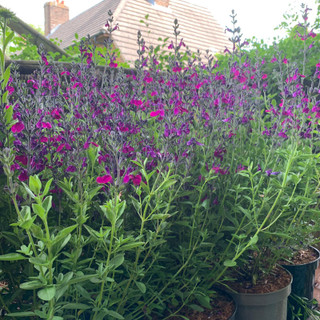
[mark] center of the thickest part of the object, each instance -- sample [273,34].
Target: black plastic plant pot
[303,277]
[303,281]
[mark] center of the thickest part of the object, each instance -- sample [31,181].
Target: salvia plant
[131,193]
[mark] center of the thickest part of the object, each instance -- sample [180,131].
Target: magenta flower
[71,169]
[312,34]
[216,169]
[104,179]
[282,134]
[89,57]
[137,103]
[60,147]
[136,179]
[126,178]
[148,79]
[157,113]
[55,114]
[65,72]
[176,69]
[46,125]
[22,159]
[265,76]
[44,59]
[86,145]
[23,176]
[77,84]
[94,144]
[18,127]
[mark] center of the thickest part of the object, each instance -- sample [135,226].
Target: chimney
[55,13]
[163,3]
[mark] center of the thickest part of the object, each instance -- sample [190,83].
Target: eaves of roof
[20,27]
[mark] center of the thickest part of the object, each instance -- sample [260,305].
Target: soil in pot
[223,308]
[274,281]
[303,256]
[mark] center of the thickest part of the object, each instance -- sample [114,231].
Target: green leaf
[5,99]
[59,243]
[12,257]
[132,245]
[21,314]
[196,307]
[141,286]
[117,260]
[64,232]
[167,184]
[230,263]
[47,293]
[6,77]
[204,301]
[47,187]
[253,240]
[47,203]
[26,224]
[8,39]
[40,260]
[137,163]
[76,306]
[114,314]
[92,154]
[35,184]
[136,204]
[93,192]
[1,58]
[205,204]
[31,285]
[8,114]
[31,194]
[160,216]
[37,231]
[81,278]
[120,208]
[109,212]
[38,210]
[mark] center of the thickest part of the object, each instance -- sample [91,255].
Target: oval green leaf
[47,294]
[229,263]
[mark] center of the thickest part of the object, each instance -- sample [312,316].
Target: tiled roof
[89,22]
[198,28]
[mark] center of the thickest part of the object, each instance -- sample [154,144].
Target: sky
[256,18]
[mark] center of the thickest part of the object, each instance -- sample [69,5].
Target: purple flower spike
[269,173]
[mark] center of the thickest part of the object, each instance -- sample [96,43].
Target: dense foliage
[130,193]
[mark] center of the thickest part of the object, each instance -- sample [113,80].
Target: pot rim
[304,264]
[287,287]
